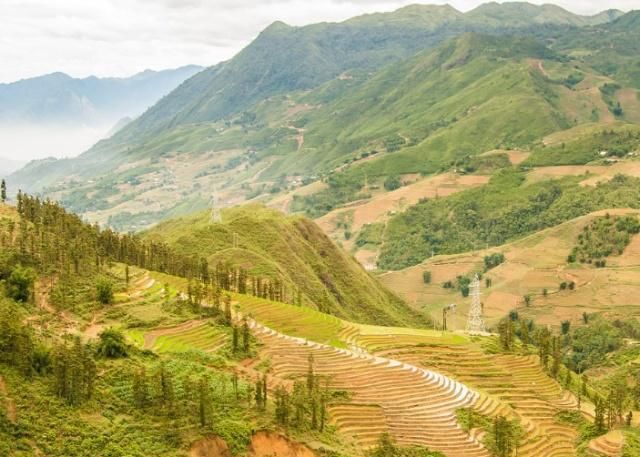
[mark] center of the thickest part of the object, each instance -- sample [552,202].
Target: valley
[413,233]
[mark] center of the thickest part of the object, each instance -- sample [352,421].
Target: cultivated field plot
[522,388]
[416,406]
[408,382]
[533,264]
[198,335]
[593,174]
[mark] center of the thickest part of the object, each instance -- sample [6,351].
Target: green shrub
[104,290]
[426,277]
[20,283]
[112,344]
[392,183]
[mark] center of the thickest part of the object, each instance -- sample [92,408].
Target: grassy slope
[291,248]
[469,87]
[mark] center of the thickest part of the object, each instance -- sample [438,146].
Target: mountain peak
[277,26]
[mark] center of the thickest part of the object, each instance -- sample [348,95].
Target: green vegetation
[370,235]
[493,260]
[294,253]
[502,437]
[386,447]
[597,143]
[20,283]
[104,290]
[603,237]
[503,210]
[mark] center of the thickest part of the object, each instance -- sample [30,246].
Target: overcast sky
[122,37]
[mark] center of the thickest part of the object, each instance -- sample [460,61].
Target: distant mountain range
[58,98]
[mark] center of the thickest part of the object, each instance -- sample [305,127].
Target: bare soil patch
[384,204]
[210,447]
[265,444]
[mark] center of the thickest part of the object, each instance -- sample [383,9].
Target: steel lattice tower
[475,324]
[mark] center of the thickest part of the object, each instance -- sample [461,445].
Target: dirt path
[540,67]
[9,404]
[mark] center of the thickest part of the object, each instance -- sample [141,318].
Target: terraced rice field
[522,388]
[292,320]
[408,382]
[200,335]
[415,405]
[608,445]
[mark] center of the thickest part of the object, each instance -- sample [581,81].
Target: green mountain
[292,249]
[366,99]
[610,48]
[284,59]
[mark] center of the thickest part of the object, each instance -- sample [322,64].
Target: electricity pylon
[475,323]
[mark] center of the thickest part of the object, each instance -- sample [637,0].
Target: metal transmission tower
[475,324]
[216,216]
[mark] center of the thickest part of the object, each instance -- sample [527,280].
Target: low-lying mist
[27,142]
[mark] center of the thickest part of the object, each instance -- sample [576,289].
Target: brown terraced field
[416,406]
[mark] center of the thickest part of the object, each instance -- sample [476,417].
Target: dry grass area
[593,174]
[630,102]
[533,264]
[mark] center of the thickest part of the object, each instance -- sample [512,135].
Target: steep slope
[438,96]
[320,52]
[292,249]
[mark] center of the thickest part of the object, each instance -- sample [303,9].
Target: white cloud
[121,37]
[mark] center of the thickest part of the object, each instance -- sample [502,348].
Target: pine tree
[258,393]
[234,382]
[166,391]
[246,337]
[599,415]
[227,309]
[235,339]
[140,389]
[557,356]
[310,374]
[3,191]
[313,406]
[204,401]
[264,391]
[524,333]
